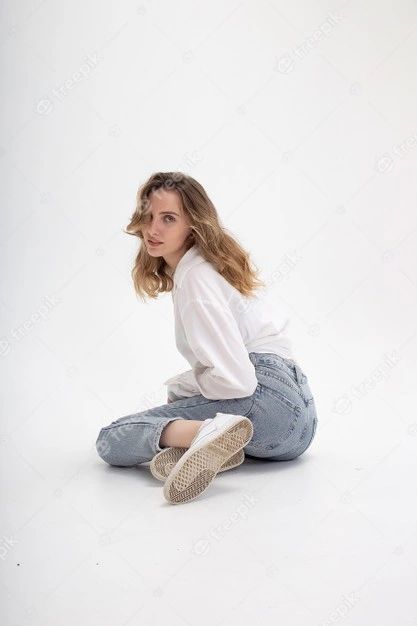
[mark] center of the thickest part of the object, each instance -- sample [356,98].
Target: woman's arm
[224,370]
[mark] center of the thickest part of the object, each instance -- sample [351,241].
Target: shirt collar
[189,259]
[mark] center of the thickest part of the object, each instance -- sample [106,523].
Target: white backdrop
[300,120]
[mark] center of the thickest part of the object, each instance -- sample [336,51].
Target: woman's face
[165,222]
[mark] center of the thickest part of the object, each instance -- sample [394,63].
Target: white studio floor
[328,537]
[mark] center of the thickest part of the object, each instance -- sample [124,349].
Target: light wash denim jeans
[281,409]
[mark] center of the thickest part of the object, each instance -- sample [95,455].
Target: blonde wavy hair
[151,275]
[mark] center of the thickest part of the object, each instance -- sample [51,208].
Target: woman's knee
[103,446]
[115,447]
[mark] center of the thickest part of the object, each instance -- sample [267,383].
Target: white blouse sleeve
[224,369]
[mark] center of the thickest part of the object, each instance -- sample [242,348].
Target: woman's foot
[218,439]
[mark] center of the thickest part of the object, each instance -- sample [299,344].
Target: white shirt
[215,329]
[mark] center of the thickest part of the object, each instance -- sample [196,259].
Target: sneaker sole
[163,462]
[195,471]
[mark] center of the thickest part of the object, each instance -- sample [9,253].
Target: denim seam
[294,387]
[296,409]
[187,405]
[271,446]
[276,394]
[309,443]
[275,370]
[255,397]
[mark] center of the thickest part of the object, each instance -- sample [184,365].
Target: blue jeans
[281,409]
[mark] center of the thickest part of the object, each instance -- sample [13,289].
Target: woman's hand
[172,397]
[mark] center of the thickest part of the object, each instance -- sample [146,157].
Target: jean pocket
[281,382]
[284,399]
[275,418]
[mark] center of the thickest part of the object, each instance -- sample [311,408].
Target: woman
[244,393]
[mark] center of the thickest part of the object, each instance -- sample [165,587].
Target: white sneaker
[164,461]
[216,441]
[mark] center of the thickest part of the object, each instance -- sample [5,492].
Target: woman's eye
[169,218]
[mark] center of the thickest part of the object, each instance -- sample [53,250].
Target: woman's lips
[154,243]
